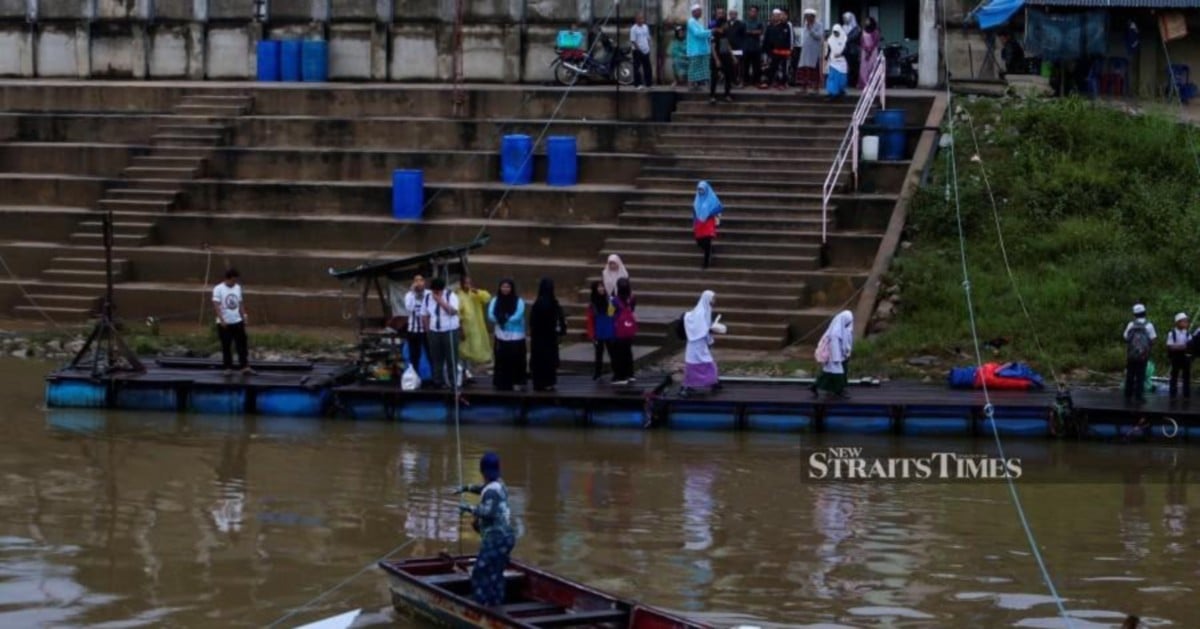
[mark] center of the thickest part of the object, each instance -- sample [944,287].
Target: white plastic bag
[410,381]
[718,327]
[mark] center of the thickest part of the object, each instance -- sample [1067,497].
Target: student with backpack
[833,351]
[1179,341]
[1139,338]
[601,326]
[626,324]
[699,367]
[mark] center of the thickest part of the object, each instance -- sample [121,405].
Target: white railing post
[876,87]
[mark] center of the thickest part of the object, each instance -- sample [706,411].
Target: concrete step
[195,128]
[723,261]
[85,287]
[193,108]
[693,278]
[87,264]
[681,231]
[141,194]
[717,115]
[167,161]
[658,328]
[801,146]
[195,152]
[136,205]
[797,161]
[157,182]
[90,303]
[819,133]
[186,139]
[80,275]
[742,221]
[725,185]
[119,240]
[716,172]
[683,209]
[784,105]
[618,245]
[58,313]
[161,172]
[727,150]
[757,198]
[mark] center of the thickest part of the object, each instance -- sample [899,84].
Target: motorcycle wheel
[625,72]
[564,75]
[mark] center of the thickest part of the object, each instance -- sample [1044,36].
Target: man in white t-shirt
[444,327]
[231,322]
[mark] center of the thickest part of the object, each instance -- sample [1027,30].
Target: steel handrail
[876,87]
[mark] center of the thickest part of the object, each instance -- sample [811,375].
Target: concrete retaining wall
[380,40]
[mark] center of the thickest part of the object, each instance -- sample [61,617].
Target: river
[142,519]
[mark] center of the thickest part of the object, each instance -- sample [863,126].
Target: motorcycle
[901,66]
[614,64]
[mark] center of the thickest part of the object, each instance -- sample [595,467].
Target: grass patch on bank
[1098,210]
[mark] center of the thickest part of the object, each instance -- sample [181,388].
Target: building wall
[399,40]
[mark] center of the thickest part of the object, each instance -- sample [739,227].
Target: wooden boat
[438,589]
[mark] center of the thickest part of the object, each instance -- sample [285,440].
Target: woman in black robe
[546,325]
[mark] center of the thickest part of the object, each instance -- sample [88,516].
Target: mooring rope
[989,408]
[21,287]
[1060,381]
[340,585]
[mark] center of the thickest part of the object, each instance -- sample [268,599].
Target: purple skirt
[700,375]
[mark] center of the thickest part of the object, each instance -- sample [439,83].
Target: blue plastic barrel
[563,161]
[314,61]
[289,60]
[268,60]
[516,159]
[408,194]
[893,140]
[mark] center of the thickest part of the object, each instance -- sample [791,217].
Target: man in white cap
[1139,338]
[812,42]
[1178,340]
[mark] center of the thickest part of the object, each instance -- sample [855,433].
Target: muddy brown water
[145,519]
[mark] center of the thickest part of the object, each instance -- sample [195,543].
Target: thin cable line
[21,287]
[1037,340]
[989,409]
[340,585]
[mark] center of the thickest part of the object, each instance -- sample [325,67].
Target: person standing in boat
[699,367]
[507,313]
[833,351]
[493,521]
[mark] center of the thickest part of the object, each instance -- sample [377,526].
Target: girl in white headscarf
[699,368]
[832,352]
[614,270]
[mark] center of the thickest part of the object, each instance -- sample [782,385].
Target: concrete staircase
[767,157]
[72,286]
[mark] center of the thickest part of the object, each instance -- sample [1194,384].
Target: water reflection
[191,521]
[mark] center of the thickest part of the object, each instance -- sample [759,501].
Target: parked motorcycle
[901,66]
[613,64]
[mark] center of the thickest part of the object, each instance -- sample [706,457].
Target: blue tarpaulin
[1066,36]
[997,12]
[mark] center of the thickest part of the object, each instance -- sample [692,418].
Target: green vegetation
[1098,209]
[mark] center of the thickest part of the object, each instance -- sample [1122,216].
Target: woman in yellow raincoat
[476,347]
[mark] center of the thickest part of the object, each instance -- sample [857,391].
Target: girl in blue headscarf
[493,522]
[706,213]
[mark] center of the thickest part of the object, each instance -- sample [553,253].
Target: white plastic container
[870,148]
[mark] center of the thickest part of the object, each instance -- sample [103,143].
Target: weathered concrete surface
[62,51]
[368,165]
[16,50]
[10,9]
[118,50]
[352,51]
[180,10]
[98,160]
[176,51]
[374,198]
[232,52]
[415,53]
[123,9]
[298,10]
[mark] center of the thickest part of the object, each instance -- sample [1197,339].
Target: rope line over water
[340,585]
[952,193]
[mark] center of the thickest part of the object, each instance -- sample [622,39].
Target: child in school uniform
[1178,340]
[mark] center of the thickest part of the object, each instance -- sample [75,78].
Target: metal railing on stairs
[876,87]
